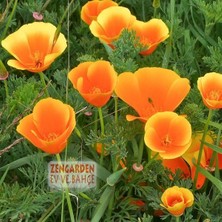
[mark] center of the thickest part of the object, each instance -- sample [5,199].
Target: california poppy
[168,134]
[91,9]
[33,47]
[191,155]
[210,87]
[95,81]
[49,126]
[176,199]
[150,90]
[111,22]
[177,164]
[150,33]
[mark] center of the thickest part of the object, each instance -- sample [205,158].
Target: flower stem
[116,109]
[41,74]
[177,219]
[140,154]
[102,133]
[67,194]
[166,57]
[210,113]
[101,121]
[9,19]
[6,88]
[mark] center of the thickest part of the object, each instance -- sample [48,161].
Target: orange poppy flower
[95,81]
[150,33]
[192,155]
[168,134]
[91,9]
[33,48]
[144,91]
[176,199]
[177,164]
[111,22]
[210,87]
[49,126]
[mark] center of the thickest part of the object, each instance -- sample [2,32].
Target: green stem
[140,154]
[177,219]
[67,194]
[110,207]
[116,109]
[9,20]
[214,158]
[101,121]
[49,211]
[169,44]
[102,133]
[6,88]
[210,113]
[41,74]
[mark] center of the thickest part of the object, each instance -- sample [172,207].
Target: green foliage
[213,61]
[209,205]
[22,203]
[193,48]
[126,50]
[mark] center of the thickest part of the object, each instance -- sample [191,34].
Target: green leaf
[213,147]
[22,161]
[103,203]
[113,178]
[210,177]
[3,176]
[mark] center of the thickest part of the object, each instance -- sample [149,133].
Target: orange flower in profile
[91,9]
[177,164]
[95,81]
[111,22]
[192,155]
[150,90]
[49,126]
[151,33]
[210,87]
[168,134]
[176,199]
[33,48]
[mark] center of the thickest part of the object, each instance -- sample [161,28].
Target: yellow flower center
[38,58]
[95,90]
[214,95]
[166,141]
[50,137]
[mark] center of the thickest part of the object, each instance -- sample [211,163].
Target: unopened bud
[3,71]
[156,3]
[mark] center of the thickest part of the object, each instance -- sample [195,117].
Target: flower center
[166,141]
[50,137]
[214,95]
[38,59]
[95,90]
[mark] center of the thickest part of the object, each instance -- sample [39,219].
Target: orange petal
[210,89]
[80,72]
[27,129]
[102,75]
[149,95]
[175,164]
[176,93]
[188,196]
[110,23]
[168,134]
[92,9]
[126,84]
[151,33]
[54,121]
[32,43]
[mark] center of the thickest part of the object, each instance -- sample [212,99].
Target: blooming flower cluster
[154,93]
